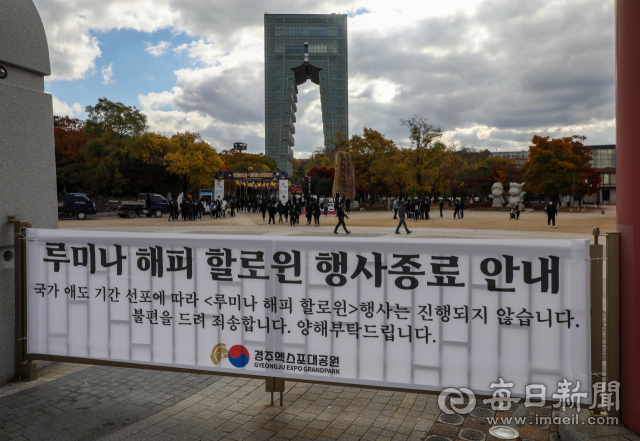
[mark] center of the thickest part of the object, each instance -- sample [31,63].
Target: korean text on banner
[426,314]
[284,189]
[219,189]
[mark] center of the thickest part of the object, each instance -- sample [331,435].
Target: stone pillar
[628,164]
[345,177]
[27,152]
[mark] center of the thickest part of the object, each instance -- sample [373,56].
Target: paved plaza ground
[476,224]
[78,402]
[75,402]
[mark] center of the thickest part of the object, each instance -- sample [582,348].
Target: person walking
[347,205]
[325,205]
[292,213]
[428,209]
[517,208]
[456,209]
[192,210]
[395,208]
[341,215]
[461,215]
[402,214]
[308,212]
[183,209]
[297,210]
[316,214]
[551,212]
[200,209]
[263,208]
[272,213]
[279,208]
[441,206]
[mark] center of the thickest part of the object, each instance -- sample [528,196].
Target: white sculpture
[515,194]
[496,194]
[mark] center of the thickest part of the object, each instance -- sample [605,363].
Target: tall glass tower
[300,48]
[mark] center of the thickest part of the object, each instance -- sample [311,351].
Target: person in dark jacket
[292,213]
[298,210]
[309,212]
[456,209]
[341,215]
[279,208]
[263,208]
[551,211]
[316,213]
[402,213]
[272,213]
[441,206]
[192,210]
[461,216]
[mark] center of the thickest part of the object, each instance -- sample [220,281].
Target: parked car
[76,204]
[148,204]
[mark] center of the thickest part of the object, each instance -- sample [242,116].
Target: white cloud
[159,49]
[107,74]
[69,25]
[491,73]
[62,108]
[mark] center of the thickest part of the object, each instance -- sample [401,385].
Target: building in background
[604,161]
[520,156]
[301,48]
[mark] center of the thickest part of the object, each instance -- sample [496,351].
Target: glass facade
[284,48]
[604,156]
[520,156]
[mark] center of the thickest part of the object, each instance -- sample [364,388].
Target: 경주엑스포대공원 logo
[219,353]
[238,355]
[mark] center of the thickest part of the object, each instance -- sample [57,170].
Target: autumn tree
[586,180]
[552,166]
[399,172]
[69,144]
[235,160]
[427,153]
[478,181]
[452,174]
[194,160]
[370,153]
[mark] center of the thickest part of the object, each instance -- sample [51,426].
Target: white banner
[422,314]
[284,190]
[219,189]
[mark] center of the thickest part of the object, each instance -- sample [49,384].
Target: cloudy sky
[490,73]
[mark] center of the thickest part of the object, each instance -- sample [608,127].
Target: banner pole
[17,246]
[596,252]
[25,370]
[613,311]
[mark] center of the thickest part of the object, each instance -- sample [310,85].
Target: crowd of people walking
[290,211]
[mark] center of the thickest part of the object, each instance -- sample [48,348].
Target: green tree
[112,156]
[116,118]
